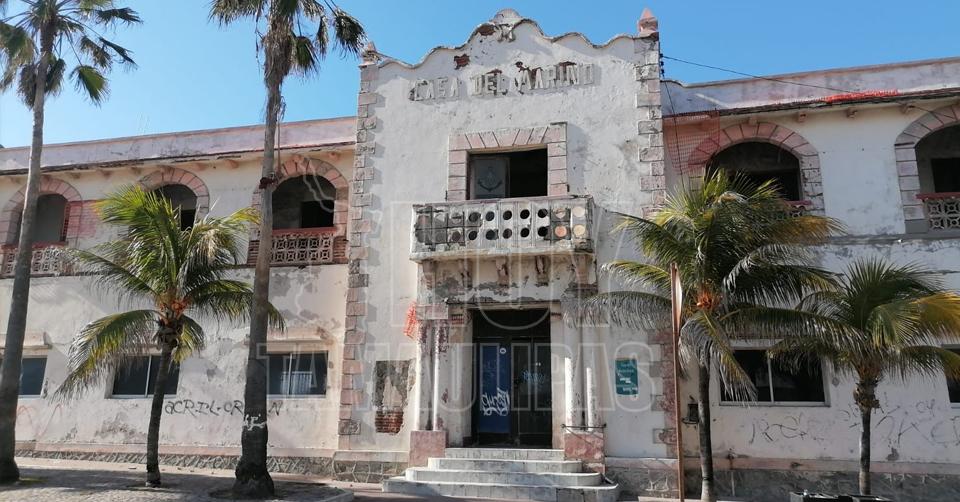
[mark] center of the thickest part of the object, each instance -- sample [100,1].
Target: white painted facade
[606,143]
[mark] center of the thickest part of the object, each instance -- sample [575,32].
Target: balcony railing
[308,246]
[48,259]
[302,246]
[542,225]
[942,210]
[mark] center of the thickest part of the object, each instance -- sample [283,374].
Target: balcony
[48,259]
[942,210]
[302,247]
[535,226]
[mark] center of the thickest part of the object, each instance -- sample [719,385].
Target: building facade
[425,253]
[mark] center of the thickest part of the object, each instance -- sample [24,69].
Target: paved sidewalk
[48,480]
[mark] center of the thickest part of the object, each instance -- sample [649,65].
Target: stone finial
[648,24]
[369,53]
[506,16]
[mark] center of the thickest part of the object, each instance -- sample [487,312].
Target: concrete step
[493,465]
[565,479]
[603,493]
[504,454]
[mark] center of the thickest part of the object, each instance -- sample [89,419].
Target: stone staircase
[508,474]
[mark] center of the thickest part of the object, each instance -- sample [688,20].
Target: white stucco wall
[206,413]
[916,421]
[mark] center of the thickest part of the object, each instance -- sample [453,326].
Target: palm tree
[169,275]
[296,39]
[890,322]
[739,258]
[33,46]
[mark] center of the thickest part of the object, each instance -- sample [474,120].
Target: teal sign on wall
[628,383]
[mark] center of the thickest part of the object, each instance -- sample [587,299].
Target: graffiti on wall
[922,422]
[196,408]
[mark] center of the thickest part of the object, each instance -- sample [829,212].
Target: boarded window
[298,374]
[304,202]
[777,384]
[762,162]
[135,378]
[508,174]
[32,370]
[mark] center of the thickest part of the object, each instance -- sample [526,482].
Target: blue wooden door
[495,389]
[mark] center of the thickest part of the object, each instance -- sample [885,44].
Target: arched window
[50,224]
[182,199]
[761,162]
[304,202]
[938,161]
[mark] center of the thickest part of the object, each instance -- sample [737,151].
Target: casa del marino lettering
[524,81]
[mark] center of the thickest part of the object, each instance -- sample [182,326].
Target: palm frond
[348,32]
[229,11]
[924,361]
[91,83]
[636,274]
[113,17]
[193,339]
[102,345]
[633,309]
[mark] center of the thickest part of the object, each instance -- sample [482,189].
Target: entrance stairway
[509,474]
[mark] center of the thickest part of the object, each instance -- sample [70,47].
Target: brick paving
[46,480]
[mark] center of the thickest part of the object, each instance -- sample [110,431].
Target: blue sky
[195,75]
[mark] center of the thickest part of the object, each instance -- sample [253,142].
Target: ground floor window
[136,378]
[32,370]
[953,386]
[777,384]
[297,374]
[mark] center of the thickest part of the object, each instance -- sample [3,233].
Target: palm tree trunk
[20,297]
[156,411]
[706,447]
[865,397]
[252,478]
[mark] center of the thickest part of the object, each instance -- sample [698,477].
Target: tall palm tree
[296,39]
[739,260]
[169,276]
[890,322]
[38,45]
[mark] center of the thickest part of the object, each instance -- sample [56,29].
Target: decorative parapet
[942,210]
[47,259]
[542,225]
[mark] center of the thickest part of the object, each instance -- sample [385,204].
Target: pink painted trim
[298,165]
[48,185]
[938,195]
[552,137]
[764,132]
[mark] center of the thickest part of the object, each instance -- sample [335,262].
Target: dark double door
[513,380]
